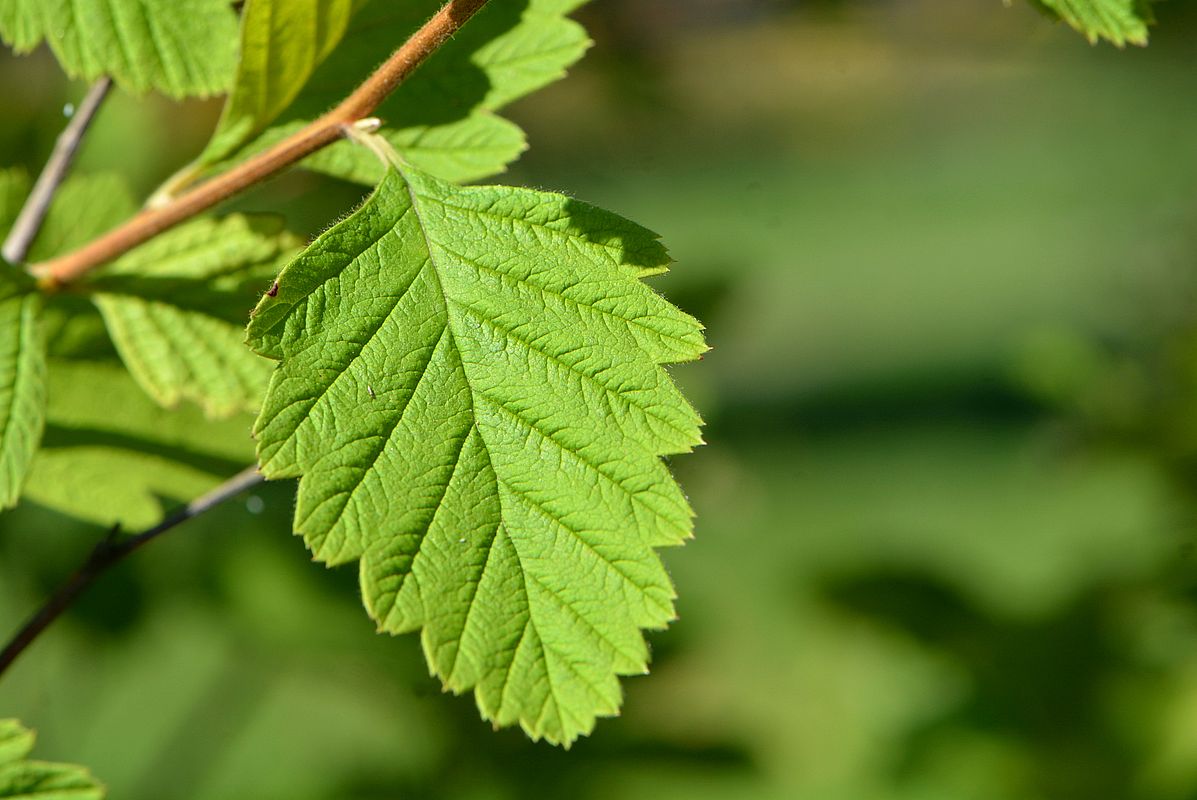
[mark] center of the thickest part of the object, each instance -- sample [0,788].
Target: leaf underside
[472,395]
[141,44]
[22,779]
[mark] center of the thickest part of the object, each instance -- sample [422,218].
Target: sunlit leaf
[471,390]
[22,357]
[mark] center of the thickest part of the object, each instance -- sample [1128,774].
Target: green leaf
[23,779]
[22,389]
[441,119]
[14,282]
[179,47]
[22,356]
[111,455]
[1121,22]
[176,310]
[471,392]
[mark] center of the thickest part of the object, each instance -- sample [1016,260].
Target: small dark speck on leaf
[370,391]
[273,291]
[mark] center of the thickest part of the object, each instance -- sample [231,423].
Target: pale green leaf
[179,47]
[178,355]
[176,309]
[441,119]
[1121,22]
[111,455]
[471,392]
[21,779]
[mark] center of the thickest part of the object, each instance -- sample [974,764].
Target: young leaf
[282,43]
[22,779]
[22,384]
[111,455]
[179,47]
[472,395]
[176,306]
[1121,22]
[442,119]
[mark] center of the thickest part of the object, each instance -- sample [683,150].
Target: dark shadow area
[1042,682]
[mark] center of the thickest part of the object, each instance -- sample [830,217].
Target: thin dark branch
[29,221]
[111,551]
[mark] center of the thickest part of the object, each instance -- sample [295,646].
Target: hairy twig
[33,213]
[110,551]
[314,136]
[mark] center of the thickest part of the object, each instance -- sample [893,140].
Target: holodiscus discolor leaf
[471,392]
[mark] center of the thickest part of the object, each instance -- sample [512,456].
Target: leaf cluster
[470,381]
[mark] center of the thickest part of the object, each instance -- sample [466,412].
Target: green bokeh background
[945,251]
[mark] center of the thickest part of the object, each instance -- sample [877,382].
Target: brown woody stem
[58,272]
